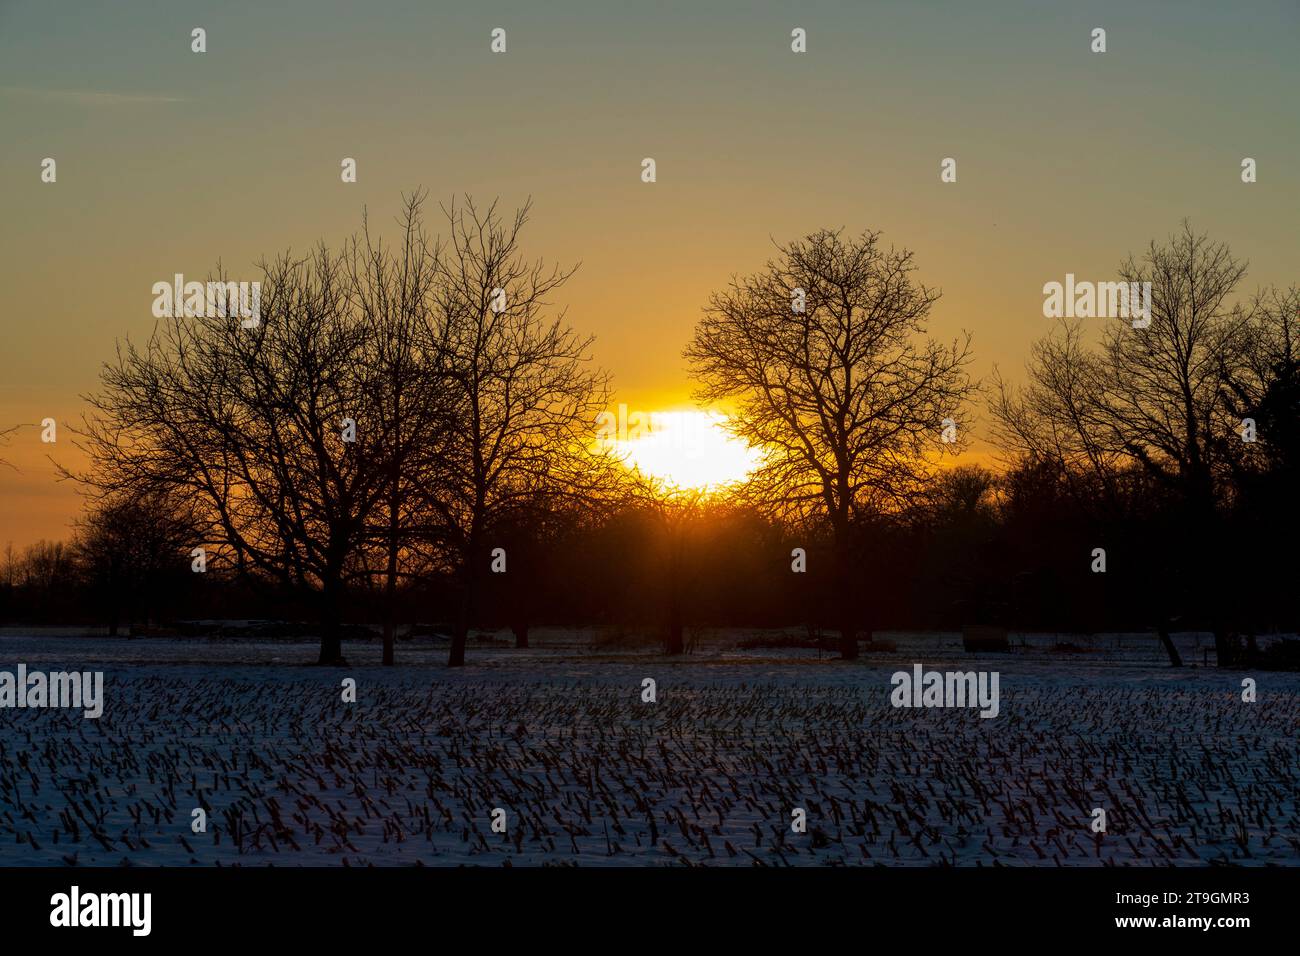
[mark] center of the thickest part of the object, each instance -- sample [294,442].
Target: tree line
[406,420]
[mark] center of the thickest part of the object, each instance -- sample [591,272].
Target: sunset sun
[685,449]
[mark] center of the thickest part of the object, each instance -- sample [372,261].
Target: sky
[170,160]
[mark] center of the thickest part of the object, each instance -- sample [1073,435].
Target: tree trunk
[843,578]
[390,599]
[1226,642]
[1224,651]
[676,643]
[1167,642]
[331,638]
[390,572]
[1211,571]
[460,634]
[459,638]
[848,640]
[388,640]
[469,573]
[676,640]
[331,645]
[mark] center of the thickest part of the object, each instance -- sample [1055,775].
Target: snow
[587,773]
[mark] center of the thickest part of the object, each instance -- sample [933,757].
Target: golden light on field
[684,449]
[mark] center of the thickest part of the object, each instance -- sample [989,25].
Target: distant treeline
[1012,549]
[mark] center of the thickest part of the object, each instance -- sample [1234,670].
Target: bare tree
[531,533]
[132,549]
[524,389]
[1150,398]
[45,567]
[250,423]
[825,354]
[1264,385]
[389,409]
[404,409]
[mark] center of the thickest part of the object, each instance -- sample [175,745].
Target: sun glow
[684,449]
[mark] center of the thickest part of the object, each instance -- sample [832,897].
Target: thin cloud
[91,97]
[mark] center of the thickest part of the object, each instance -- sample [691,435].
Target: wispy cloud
[106,98]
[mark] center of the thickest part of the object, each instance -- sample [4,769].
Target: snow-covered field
[558,737]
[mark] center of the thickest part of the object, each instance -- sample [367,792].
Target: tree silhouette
[1157,400]
[248,422]
[524,391]
[392,407]
[406,415]
[825,355]
[134,552]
